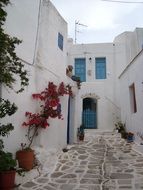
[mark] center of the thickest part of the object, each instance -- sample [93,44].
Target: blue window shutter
[80,68]
[60,41]
[100,68]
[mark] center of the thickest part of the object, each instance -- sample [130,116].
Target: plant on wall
[10,65]
[50,108]
[11,70]
[6,108]
[73,77]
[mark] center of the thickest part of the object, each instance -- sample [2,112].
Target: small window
[60,41]
[133,98]
[100,66]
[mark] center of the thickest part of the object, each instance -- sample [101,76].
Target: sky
[104,20]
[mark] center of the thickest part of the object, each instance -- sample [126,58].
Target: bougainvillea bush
[50,108]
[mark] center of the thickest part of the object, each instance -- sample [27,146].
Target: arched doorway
[89,115]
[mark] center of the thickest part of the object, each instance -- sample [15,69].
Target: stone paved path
[103,161]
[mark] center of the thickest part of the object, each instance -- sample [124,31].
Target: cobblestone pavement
[103,161]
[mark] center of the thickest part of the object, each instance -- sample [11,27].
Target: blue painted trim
[68,122]
[100,65]
[60,41]
[80,68]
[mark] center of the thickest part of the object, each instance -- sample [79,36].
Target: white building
[43,51]
[96,97]
[110,72]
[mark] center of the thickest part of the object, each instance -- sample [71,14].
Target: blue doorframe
[68,122]
[89,115]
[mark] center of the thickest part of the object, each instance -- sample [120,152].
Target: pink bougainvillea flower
[50,108]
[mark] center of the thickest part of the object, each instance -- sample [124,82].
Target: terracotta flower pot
[81,137]
[25,159]
[7,180]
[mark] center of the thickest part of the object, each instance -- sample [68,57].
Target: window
[133,98]
[80,68]
[100,66]
[60,41]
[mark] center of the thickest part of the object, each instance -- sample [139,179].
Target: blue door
[89,119]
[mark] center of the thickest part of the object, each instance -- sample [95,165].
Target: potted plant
[80,133]
[7,170]
[121,129]
[7,162]
[130,137]
[50,108]
[25,157]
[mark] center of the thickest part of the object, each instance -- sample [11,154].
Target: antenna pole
[77,23]
[75,30]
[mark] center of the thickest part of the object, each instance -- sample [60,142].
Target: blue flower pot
[130,138]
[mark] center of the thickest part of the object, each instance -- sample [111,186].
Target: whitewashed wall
[22,22]
[103,90]
[132,74]
[49,55]
[127,46]
[51,63]
[24,103]
[128,70]
[37,23]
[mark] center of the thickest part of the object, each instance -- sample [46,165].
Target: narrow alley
[103,161]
